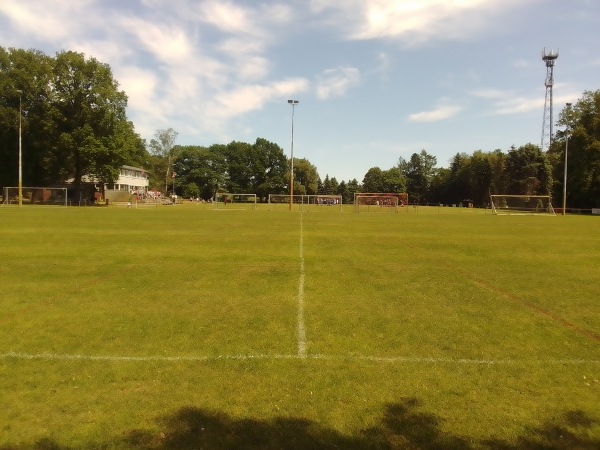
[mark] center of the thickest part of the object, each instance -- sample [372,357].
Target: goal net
[379,202]
[35,196]
[234,201]
[521,204]
[305,202]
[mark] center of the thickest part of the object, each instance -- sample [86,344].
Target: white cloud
[489,93]
[168,43]
[508,102]
[246,98]
[383,66]
[517,105]
[336,82]
[413,22]
[441,113]
[229,17]
[233,19]
[505,102]
[46,19]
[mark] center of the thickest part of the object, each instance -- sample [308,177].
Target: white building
[131,179]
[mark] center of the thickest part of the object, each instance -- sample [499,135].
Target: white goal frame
[56,196]
[506,204]
[229,200]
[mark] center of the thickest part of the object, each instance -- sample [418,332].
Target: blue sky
[376,79]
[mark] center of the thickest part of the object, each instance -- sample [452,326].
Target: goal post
[305,202]
[379,201]
[35,196]
[503,204]
[230,200]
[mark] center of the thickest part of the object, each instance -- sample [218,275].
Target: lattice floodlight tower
[549,59]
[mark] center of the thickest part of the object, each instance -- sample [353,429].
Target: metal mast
[549,59]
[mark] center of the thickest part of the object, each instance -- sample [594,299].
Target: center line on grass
[301,329]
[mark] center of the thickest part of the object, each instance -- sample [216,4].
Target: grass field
[186,327]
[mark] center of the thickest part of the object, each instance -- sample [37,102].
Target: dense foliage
[74,125]
[73,119]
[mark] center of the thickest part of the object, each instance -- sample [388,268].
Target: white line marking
[376,359]
[301,328]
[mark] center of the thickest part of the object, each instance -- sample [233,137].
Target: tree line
[74,125]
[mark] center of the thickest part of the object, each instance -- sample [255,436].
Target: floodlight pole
[20,151]
[293,103]
[564,208]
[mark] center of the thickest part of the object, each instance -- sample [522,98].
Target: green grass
[177,327]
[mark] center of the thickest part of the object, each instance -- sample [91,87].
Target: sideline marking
[301,327]
[377,359]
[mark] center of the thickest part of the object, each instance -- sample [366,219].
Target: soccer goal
[305,202]
[379,202]
[227,200]
[35,196]
[521,204]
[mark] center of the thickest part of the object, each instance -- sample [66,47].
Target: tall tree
[306,177]
[163,147]
[393,181]
[74,118]
[528,171]
[582,127]
[459,186]
[91,134]
[419,172]
[204,167]
[373,180]
[31,73]
[239,167]
[480,178]
[269,165]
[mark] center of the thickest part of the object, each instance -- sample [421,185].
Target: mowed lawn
[188,327]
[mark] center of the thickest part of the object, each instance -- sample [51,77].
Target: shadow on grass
[402,426]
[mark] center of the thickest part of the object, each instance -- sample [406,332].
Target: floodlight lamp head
[569,105]
[293,102]
[549,58]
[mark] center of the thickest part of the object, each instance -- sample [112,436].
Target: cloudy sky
[375,79]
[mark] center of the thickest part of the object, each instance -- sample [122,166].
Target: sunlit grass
[169,326]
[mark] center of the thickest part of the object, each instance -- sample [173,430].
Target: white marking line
[376,359]
[301,328]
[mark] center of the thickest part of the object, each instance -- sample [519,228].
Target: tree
[329,186]
[239,167]
[393,181]
[480,178]
[191,190]
[419,172]
[269,165]
[528,171]
[343,190]
[163,146]
[373,180]
[439,188]
[74,118]
[353,188]
[306,177]
[582,127]
[90,132]
[31,73]
[202,167]
[459,180]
